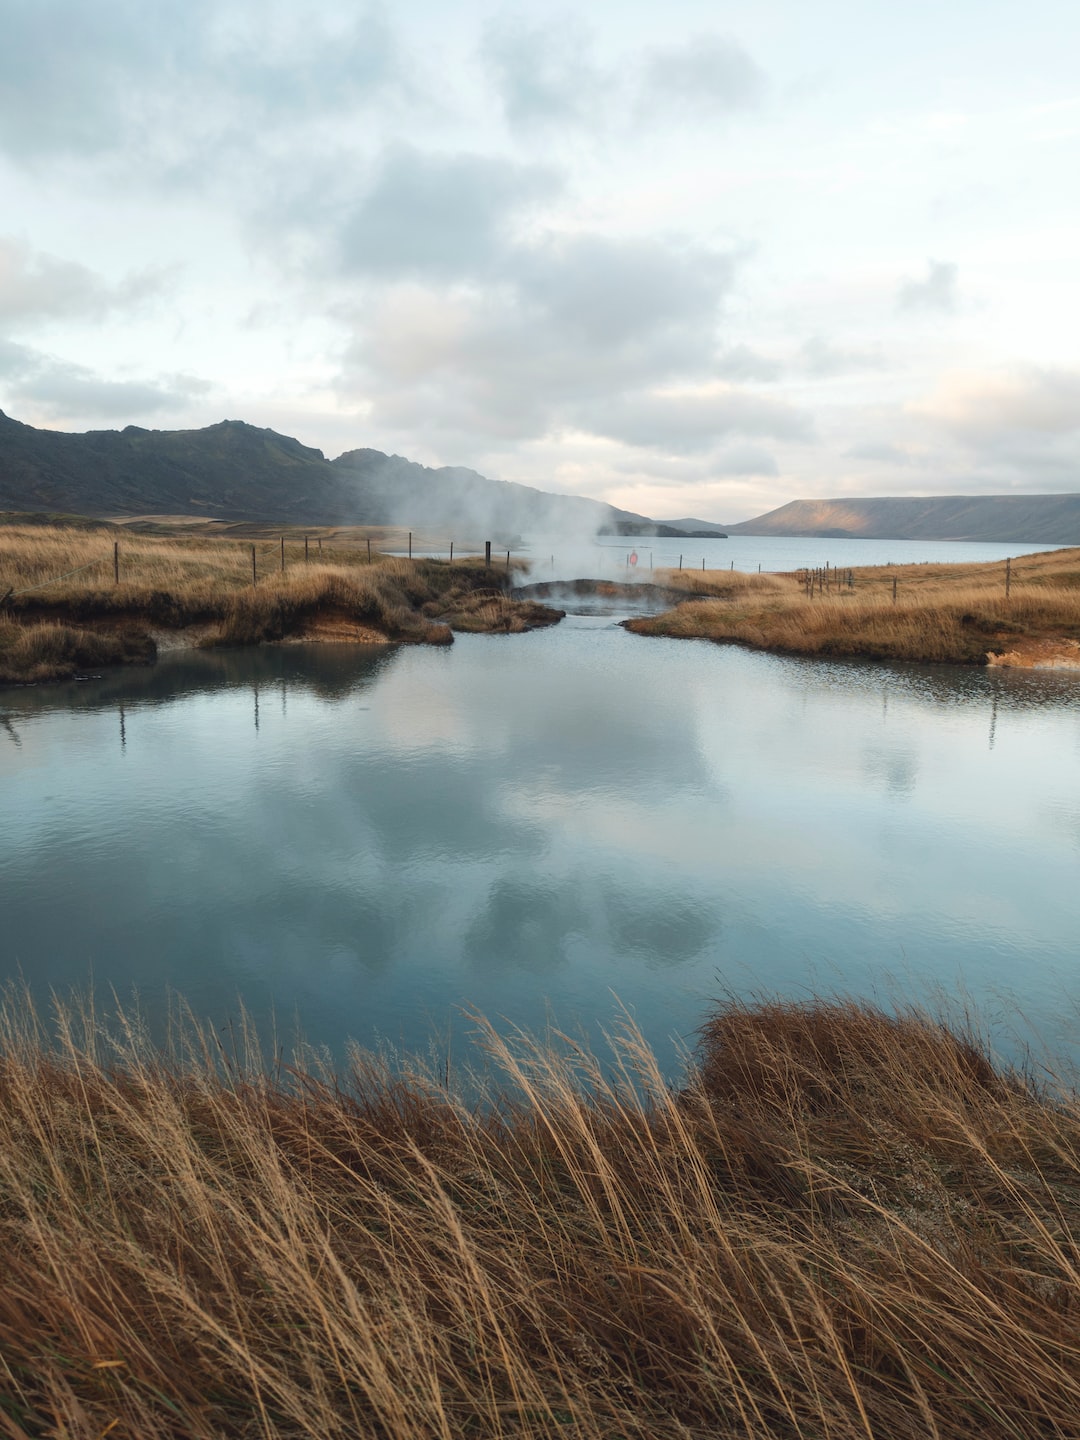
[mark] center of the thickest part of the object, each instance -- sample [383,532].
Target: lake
[361,842]
[563,558]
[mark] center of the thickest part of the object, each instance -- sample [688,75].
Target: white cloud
[177,77]
[35,286]
[708,74]
[981,407]
[935,292]
[822,360]
[566,324]
[674,422]
[443,215]
[55,389]
[543,74]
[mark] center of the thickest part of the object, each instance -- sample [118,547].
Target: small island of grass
[1023,614]
[79,595]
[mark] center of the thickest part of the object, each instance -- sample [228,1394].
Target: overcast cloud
[806,251]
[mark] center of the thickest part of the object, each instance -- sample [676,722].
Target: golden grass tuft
[844,1224]
[953,613]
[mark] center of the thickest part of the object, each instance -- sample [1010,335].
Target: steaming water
[364,840]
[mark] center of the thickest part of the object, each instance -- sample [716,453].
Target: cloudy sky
[694,259]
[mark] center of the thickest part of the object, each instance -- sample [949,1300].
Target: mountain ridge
[1000,519]
[235,471]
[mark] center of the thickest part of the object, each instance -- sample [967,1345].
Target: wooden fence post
[305,550]
[116,562]
[487,552]
[894,589]
[283,554]
[451,552]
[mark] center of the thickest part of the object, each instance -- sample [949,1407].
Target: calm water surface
[363,841]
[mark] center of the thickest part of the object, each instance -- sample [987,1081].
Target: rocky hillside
[235,471]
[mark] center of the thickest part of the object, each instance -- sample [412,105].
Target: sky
[696,260]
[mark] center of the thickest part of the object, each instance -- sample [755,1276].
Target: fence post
[283,554]
[508,559]
[894,589]
[116,562]
[703,564]
[369,549]
[305,550]
[680,562]
[451,552]
[410,544]
[487,552]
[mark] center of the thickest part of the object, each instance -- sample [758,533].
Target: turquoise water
[362,842]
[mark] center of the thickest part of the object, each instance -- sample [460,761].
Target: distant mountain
[699,529]
[1002,519]
[235,471]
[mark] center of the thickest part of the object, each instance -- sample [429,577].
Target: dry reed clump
[49,651]
[951,619]
[845,1224]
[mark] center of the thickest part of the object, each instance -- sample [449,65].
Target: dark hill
[235,471]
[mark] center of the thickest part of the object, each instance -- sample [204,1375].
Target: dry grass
[33,652]
[844,1225]
[171,581]
[941,613]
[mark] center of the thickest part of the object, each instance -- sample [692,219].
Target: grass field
[78,597]
[843,1224]
[956,613]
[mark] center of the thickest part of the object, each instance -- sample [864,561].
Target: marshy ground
[961,614]
[79,596]
[70,602]
[842,1223]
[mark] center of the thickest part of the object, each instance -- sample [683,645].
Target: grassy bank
[70,601]
[955,613]
[843,1225]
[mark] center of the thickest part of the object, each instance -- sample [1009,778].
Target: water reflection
[332,672]
[532,821]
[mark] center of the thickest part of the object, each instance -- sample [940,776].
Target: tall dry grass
[63,609]
[940,613]
[196,566]
[844,1224]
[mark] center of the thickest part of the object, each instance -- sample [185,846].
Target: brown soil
[337,628]
[1035,654]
